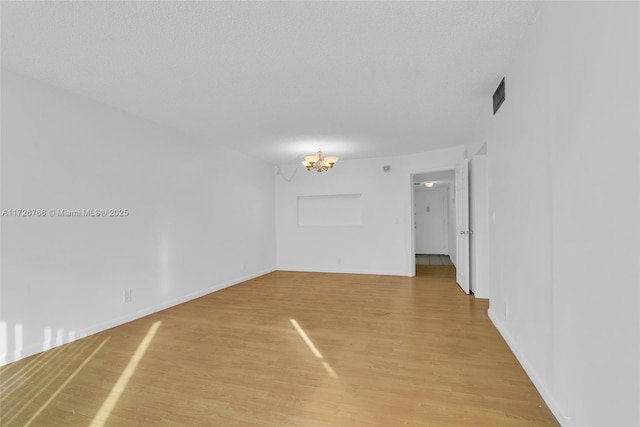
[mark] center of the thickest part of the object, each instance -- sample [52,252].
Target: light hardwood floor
[288,349]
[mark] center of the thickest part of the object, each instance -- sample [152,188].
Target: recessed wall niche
[335,210]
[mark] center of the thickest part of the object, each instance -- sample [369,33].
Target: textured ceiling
[278,79]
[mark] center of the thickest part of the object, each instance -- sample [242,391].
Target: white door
[479,223]
[430,211]
[462,225]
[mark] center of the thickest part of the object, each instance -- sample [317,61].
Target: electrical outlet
[506,310]
[127,295]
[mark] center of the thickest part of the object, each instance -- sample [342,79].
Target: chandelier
[319,163]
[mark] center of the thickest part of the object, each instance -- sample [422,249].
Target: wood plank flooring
[287,349]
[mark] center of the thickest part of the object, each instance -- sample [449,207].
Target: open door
[462,225]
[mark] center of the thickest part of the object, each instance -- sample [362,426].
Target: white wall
[564,186]
[431,228]
[201,217]
[383,244]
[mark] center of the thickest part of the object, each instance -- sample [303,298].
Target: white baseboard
[163,306]
[35,348]
[343,271]
[535,378]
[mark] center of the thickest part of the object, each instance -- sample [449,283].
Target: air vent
[498,97]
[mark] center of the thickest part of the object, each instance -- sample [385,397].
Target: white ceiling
[278,79]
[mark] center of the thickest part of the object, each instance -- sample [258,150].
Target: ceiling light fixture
[319,163]
[428,184]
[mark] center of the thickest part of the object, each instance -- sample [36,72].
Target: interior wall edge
[535,377]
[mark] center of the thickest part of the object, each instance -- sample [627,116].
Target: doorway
[434,240]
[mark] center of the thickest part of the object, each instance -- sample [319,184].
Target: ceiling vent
[498,97]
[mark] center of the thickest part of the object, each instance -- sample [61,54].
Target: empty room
[322,213]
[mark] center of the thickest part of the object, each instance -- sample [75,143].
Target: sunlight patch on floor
[67,381]
[48,367]
[110,402]
[313,348]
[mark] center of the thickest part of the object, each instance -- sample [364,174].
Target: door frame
[410,224]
